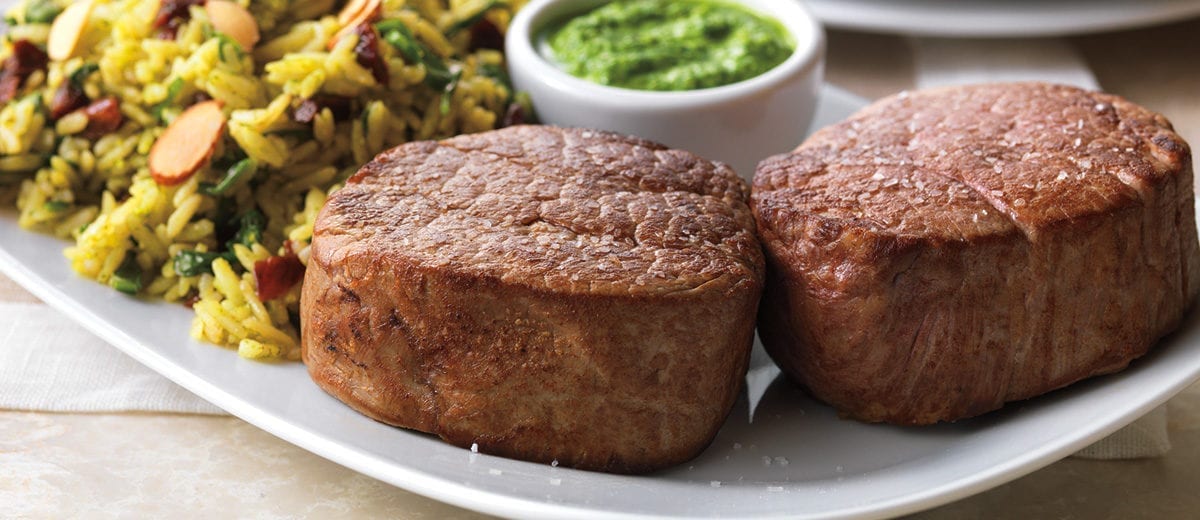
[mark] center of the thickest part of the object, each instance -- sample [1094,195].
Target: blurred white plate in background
[999,18]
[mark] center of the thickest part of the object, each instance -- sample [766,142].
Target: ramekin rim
[800,23]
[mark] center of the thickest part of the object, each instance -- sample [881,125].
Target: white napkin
[944,61]
[49,363]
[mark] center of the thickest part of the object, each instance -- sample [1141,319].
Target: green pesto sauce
[668,44]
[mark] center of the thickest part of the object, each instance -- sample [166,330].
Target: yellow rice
[98,192]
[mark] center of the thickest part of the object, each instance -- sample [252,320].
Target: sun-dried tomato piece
[104,117]
[276,275]
[68,98]
[366,53]
[26,58]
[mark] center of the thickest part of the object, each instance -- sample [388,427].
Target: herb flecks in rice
[129,231]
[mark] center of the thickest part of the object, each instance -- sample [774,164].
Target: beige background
[159,465]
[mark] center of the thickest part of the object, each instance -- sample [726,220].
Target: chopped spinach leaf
[237,174]
[474,18]
[250,229]
[41,11]
[128,276]
[172,93]
[192,263]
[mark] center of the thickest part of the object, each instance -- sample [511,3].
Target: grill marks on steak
[560,202]
[946,251]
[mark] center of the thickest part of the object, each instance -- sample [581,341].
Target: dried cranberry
[515,115]
[309,108]
[172,14]
[366,53]
[306,112]
[174,9]
[485,35]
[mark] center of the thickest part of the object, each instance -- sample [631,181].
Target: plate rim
[495,502]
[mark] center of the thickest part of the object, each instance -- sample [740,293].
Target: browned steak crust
[549,294]
[943,252]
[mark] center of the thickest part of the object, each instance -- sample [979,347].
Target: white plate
[994,18]
[779,455]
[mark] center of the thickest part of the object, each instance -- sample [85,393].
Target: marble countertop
[56,465]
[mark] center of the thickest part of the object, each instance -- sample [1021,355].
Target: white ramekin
[739,124]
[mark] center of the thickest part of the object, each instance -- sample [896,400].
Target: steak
[542,293]
[944,252]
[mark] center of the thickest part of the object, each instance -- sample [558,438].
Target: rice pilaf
[325,88]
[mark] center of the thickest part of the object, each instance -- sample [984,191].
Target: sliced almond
[354,14]
[187,144]
[356,9]
[234,21]
[67,28]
